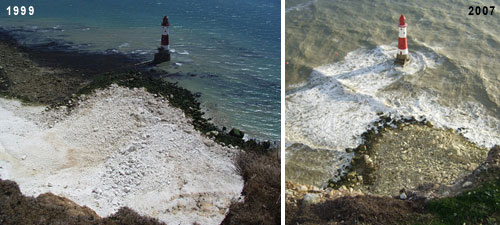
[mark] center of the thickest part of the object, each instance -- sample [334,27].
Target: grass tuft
[481,205]
[261,173]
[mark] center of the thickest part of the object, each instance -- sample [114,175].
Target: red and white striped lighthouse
[402,56]
[164,34]
[163,54]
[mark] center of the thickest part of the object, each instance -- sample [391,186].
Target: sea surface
[229,51]
[341,74]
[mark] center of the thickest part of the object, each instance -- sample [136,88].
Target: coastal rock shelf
[401,155]
[119,147]
[415,155]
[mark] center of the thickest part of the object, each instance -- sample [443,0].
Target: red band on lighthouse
[402,43]
[164,35]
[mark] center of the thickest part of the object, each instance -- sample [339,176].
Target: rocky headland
[406,172]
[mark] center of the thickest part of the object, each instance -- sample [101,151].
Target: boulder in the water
[236,133]
[162,56]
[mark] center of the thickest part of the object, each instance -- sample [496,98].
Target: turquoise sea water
[233,47]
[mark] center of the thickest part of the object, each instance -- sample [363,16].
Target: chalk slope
[119,147]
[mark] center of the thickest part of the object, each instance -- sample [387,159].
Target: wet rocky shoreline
[427,204]
[402,161]
[57,77]
[404,153]
[404,150]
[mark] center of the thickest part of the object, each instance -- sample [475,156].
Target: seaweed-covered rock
[236,133]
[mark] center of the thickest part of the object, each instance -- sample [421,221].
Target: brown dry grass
[261,173]
[356,210]
[51,209]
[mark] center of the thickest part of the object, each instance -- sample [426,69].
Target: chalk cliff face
[119,147]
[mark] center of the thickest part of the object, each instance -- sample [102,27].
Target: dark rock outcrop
[236,133]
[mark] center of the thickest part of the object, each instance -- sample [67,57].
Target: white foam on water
[341,100]
[296,86]
[300,7]
[124,45]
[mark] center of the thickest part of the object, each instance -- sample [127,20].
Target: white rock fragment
[316,189]
[311,198]
[302,188]
[466,184]
[402,196]
[131,148]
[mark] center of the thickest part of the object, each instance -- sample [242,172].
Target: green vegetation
[481,205]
